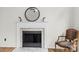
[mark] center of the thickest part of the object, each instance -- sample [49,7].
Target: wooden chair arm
[59,37]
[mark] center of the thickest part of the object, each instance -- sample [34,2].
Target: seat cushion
[64,44]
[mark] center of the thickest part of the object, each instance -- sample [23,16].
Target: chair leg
[55,47]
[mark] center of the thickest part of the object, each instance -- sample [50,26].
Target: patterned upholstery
[64,44]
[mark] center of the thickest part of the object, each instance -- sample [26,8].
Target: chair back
[71,34]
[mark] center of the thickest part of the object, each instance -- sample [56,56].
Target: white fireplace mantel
[30,25]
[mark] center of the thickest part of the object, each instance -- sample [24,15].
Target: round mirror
[32,14]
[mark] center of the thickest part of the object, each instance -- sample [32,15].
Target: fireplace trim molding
[30,25]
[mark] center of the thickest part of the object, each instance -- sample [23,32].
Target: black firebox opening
[31,39]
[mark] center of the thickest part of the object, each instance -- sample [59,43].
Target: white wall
[57,21]
[76,17]
[76,20]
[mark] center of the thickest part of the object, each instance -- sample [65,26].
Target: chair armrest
[59,37]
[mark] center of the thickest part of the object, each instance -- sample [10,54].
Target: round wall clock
[32,14]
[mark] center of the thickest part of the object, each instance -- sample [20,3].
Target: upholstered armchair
[70,40]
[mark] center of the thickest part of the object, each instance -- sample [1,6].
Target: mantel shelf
[31,25]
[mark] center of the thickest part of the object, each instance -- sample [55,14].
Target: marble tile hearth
[30,50]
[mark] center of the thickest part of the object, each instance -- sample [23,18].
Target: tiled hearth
[30,50]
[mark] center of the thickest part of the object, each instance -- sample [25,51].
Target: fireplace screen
[31,39]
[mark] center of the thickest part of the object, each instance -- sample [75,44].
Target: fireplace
[31,35]
[31,39]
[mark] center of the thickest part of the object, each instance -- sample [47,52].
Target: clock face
[32,14]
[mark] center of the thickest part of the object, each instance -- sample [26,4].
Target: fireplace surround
[32,30]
